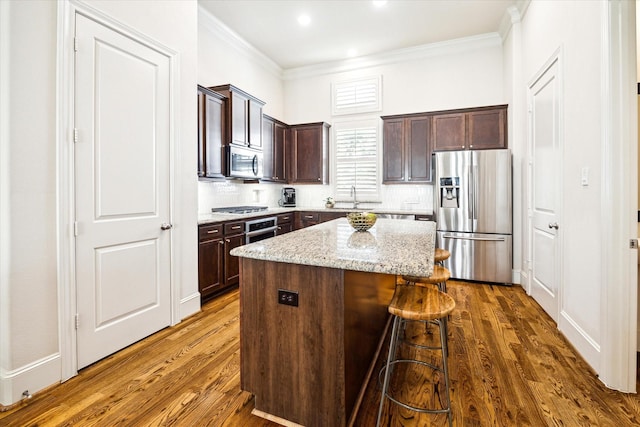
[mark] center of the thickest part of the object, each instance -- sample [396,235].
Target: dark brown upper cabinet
[274,139]
[244,116]
[309,153]
[470,129]
[406,148]
[211,133]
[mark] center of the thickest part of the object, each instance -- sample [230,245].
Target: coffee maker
[288,197]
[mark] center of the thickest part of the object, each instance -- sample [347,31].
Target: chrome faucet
[353,193]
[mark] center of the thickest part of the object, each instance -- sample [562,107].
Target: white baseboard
[588,348]
[189,305]
[31,378]
[515,277]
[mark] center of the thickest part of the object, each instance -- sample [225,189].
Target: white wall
[223,59]
[28,307]
[575,28]
[464,73]
[515,94]
[29,331]
[29,192]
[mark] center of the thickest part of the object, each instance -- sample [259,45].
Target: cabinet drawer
[285,218]
[206,232]
[284,228]
[233,228]
[310,216]
[424,218]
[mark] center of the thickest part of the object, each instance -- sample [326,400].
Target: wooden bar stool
[439,278]
[441,255]
[421,304]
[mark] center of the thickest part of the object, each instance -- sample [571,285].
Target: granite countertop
[207,218]
[391,246]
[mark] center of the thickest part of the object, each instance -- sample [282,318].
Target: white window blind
[356,159]
[356,96]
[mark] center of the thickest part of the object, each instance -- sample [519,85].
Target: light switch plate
[584,179]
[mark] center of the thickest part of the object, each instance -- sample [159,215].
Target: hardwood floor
[509,366]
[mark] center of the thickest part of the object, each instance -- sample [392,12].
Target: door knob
[166,226]
[554,225]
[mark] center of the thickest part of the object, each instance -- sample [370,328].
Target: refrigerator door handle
[470,193]
[476,189]
[485,239]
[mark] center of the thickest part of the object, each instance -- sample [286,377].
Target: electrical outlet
[288,297]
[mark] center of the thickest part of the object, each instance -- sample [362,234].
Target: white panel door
[122,190]
[545,189]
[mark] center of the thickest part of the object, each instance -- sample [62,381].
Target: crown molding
[401,55]
[513,15]
[226,34]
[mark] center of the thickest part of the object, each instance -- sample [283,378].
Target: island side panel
[292,358]
[367,297]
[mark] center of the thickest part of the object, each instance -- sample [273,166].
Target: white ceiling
[336,26]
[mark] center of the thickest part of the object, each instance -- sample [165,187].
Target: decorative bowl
[361,221]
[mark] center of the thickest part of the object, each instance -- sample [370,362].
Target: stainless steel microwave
[243,162]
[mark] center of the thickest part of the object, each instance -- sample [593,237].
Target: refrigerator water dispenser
[450,192]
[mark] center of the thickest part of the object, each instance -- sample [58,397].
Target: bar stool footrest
[406,405]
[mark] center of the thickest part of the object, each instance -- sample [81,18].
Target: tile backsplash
[213,194]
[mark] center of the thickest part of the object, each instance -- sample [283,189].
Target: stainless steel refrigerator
[474,213]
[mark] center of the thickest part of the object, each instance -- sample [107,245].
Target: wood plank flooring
[509,366]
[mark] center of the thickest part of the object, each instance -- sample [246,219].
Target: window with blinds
[356,96]
[356,159]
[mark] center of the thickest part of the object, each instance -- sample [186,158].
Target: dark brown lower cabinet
[231,263]
[284,228]
[210,259]
[217,269]
[307,219]
[285,223]
[329,216]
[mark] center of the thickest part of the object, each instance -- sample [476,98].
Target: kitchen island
[313,311]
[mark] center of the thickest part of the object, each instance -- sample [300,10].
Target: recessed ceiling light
[379,3]
[304,20]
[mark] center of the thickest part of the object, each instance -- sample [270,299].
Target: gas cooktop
[239,209]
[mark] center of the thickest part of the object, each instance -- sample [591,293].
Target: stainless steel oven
[260,229]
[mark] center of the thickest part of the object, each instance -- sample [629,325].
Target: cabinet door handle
[212,231]
[227,240]
[236,227]
[279,228]
[308,216]
[221,242]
